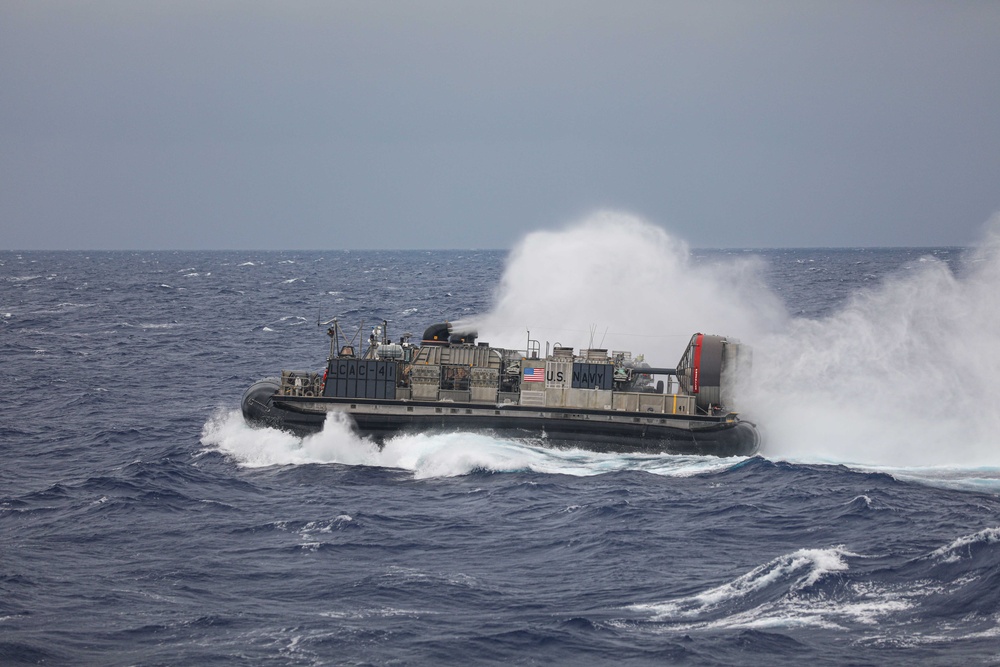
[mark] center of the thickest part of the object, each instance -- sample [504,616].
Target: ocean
[143,523]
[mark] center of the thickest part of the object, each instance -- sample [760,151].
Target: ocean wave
[948,591]
[963,547]
[782,576]
[985,479]
[196,539]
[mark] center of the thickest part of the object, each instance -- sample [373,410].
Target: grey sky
[378,124]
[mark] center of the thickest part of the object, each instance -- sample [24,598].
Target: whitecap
[798,570]
[732,605]
[952,553]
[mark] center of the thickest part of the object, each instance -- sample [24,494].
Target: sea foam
[432,455]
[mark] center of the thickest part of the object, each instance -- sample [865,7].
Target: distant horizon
[374,250]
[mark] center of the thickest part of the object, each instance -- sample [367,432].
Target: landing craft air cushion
[594,400]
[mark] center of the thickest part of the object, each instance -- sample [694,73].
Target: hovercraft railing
[301,383]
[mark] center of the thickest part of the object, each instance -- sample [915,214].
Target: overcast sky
[379,124]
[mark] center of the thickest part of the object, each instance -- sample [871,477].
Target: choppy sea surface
[142,523]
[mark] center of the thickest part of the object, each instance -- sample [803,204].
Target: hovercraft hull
[593,400]
[596,430]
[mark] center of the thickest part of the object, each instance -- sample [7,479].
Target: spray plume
[903,374]
[618,282]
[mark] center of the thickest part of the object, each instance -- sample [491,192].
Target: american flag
[534,375]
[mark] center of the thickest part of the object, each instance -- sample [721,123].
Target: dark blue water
[142,523]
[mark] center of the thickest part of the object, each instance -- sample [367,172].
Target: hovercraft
[595,399]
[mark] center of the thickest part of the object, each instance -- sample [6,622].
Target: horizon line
[345,250]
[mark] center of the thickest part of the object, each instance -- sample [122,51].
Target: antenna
[357,334]
[334,334]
